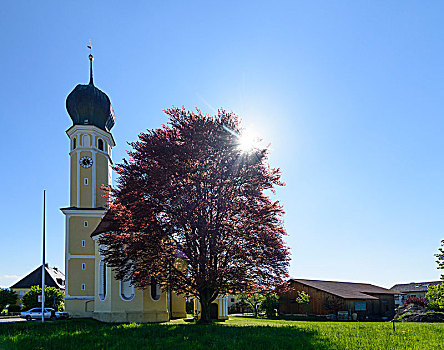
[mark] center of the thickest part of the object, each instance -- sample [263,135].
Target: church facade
[91,289]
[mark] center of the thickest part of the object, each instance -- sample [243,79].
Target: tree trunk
[255,310]
[205,302]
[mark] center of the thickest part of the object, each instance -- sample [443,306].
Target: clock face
[86,162]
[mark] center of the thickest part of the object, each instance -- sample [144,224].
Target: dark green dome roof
[88,105]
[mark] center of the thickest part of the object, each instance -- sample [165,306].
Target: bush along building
[344,298]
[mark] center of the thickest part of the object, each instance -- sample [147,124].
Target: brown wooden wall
[384,306]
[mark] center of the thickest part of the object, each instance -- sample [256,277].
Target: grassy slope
[239,333]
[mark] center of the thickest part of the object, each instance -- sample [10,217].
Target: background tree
[7,297]
[303,299]
[53,298]
[253,300]
[188,193]
[440,257]
[435,295]
[334,305]
[270,304]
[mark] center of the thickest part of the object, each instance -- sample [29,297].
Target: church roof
[106,224]
[53,278]
[88,105]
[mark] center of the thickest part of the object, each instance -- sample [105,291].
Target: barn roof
[53,278]
[347,290]
[414,286]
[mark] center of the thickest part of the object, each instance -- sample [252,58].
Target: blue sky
[348,93]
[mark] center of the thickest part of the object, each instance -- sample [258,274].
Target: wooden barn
[328,297]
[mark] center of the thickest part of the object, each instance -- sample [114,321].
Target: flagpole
[43,259]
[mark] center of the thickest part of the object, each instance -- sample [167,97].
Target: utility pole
[43,258]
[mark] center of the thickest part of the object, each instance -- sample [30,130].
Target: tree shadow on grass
[89,334]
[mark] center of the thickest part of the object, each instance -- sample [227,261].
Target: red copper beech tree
[191,210]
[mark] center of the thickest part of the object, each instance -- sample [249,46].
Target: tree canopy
[7,297]
[192,209]
[435,296]
[440,257]
[54,298]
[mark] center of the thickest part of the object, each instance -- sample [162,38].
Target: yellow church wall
[154,305]
[77,277]
[85,190]
[79,307]
[141,308]
[178,306]
[105,304]
[73,195]
[102,178]
[79,232]
[117,303]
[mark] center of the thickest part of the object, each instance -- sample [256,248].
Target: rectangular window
[85,181]
[83,266]
[83,242]
[83,287]
[85,223]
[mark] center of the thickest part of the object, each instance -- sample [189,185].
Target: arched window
[126,290]
[100,144]
[86,141]
[74,143]
[102,280]
[155,288]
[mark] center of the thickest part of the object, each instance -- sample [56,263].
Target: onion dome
[87,105]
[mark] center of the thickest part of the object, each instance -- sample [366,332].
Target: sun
[248,140]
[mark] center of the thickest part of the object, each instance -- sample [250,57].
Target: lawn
[237,333]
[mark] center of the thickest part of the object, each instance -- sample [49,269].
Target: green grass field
[237,333]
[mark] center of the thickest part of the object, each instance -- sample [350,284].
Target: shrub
[435,295]
[416,300]
[14,308]
[270,305]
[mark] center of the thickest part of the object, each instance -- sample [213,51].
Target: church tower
[91,144]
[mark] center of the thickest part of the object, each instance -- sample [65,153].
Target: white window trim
[102,296]
[83,286]
[160,292]
[85,223]
[133,293]
[83,266]
[85,181]
[83,243]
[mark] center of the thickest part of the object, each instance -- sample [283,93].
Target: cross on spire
[91,59]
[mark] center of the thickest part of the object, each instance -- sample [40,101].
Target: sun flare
[248,140]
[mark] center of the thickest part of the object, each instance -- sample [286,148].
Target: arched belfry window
[86,140]
[74,143]
[100,144]
[155,288]
[102,280]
